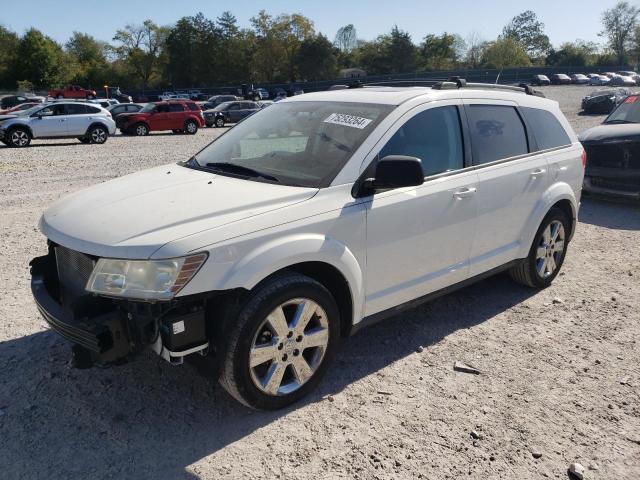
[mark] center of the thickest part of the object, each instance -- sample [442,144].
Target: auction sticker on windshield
[348,120]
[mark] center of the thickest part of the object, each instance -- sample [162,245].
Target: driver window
[162,108]
[434,136]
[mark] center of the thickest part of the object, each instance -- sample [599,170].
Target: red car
[18,108]
[72,91]
[179,116]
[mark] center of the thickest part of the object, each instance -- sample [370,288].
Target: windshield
[293,143]
[30,111]
[627,112]
[221,107]
[149,107]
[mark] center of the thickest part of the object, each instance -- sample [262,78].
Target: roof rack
[456,82]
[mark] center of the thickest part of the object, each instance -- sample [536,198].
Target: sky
[565,20]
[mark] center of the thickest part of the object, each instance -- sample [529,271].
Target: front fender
[281,253]
[555,193]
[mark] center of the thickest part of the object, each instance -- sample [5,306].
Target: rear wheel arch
[96,124]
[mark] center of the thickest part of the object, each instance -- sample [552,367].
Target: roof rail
[456,82]
[399,83]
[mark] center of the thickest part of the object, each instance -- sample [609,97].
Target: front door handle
[464,193]
[538,172]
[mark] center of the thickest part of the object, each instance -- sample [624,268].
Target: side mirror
[393,171]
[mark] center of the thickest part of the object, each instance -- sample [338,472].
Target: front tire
[141,130]
[280,343]
[547,252]
[219,122]
[18,137]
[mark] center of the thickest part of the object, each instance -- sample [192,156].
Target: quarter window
[546,128]
[434,136]
[91,109]
[497,132]
[176,107]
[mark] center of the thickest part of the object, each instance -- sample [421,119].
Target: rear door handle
[464,193]
[538,172]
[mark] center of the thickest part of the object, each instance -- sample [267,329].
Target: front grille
[74,269]
[623,184]
[620,155]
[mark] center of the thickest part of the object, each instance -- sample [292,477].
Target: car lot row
[623,78]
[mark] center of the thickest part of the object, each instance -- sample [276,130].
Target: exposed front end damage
[613,160]
[107,331]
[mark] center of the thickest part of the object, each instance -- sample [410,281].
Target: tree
[9,42]
[529,31]
[346,39]
[140,48]
[618,25]
[578,54]
[39,60]
[400,51]
[88,62]
[438,51]
[316,58]
[505,52]
[475,49]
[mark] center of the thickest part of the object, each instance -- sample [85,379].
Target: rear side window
[75,109]
[434,137]
[176,107]
[93,109]
[546,128]
[497,132]
[193,106]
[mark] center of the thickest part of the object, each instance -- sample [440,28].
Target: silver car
[88,122]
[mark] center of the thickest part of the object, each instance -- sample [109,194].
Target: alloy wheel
[141,130]
[289,346]
[19,138]
[98,135]
[550,249]
[191,127]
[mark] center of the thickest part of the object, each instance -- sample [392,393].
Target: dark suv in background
[230,112]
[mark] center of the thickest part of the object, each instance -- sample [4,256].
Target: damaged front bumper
[107,331]
[613,169]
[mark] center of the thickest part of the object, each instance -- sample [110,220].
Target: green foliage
[619,24]
[526,29]
[8,48]
[391,53]
[505,52]
[40,60]
[316,58]
[576,54]
[438,52]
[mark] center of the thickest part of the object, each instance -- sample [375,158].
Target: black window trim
[537,149]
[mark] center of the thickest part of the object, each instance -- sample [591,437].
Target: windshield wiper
[240,170]
[337,144]
[619,121]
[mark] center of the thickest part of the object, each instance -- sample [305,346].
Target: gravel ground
[560,367]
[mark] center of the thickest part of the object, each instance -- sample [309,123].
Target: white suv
[88,122]
[308,220]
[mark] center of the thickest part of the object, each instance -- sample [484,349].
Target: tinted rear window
[546,128]
[497,132]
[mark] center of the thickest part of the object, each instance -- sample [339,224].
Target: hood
[611,134]
[8,116]
[133,216]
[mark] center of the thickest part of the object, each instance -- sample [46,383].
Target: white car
[599,80]
[167,96]
[307,221]
[88,122]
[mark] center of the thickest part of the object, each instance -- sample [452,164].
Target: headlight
[144,279]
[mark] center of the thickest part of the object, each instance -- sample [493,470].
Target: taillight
[584,158]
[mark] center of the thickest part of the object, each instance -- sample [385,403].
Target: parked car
[87,122]
[579,79]
[265,103]
[599,80]
[117,110]
[195,94]
[114,92]
[230,112]
[613,152]
[622,81]
[610,74]
[627,73]
[105,102]
[167,96]
[298,227]
[216,100]
[604,100]
[263,93]
[538,80]
[11,101]
[560,79]
[179,116]
[72,91]
[19,108]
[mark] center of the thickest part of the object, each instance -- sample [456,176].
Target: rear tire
[190,127]
[18,137]
[547,252]
[98,135]
[289,358]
